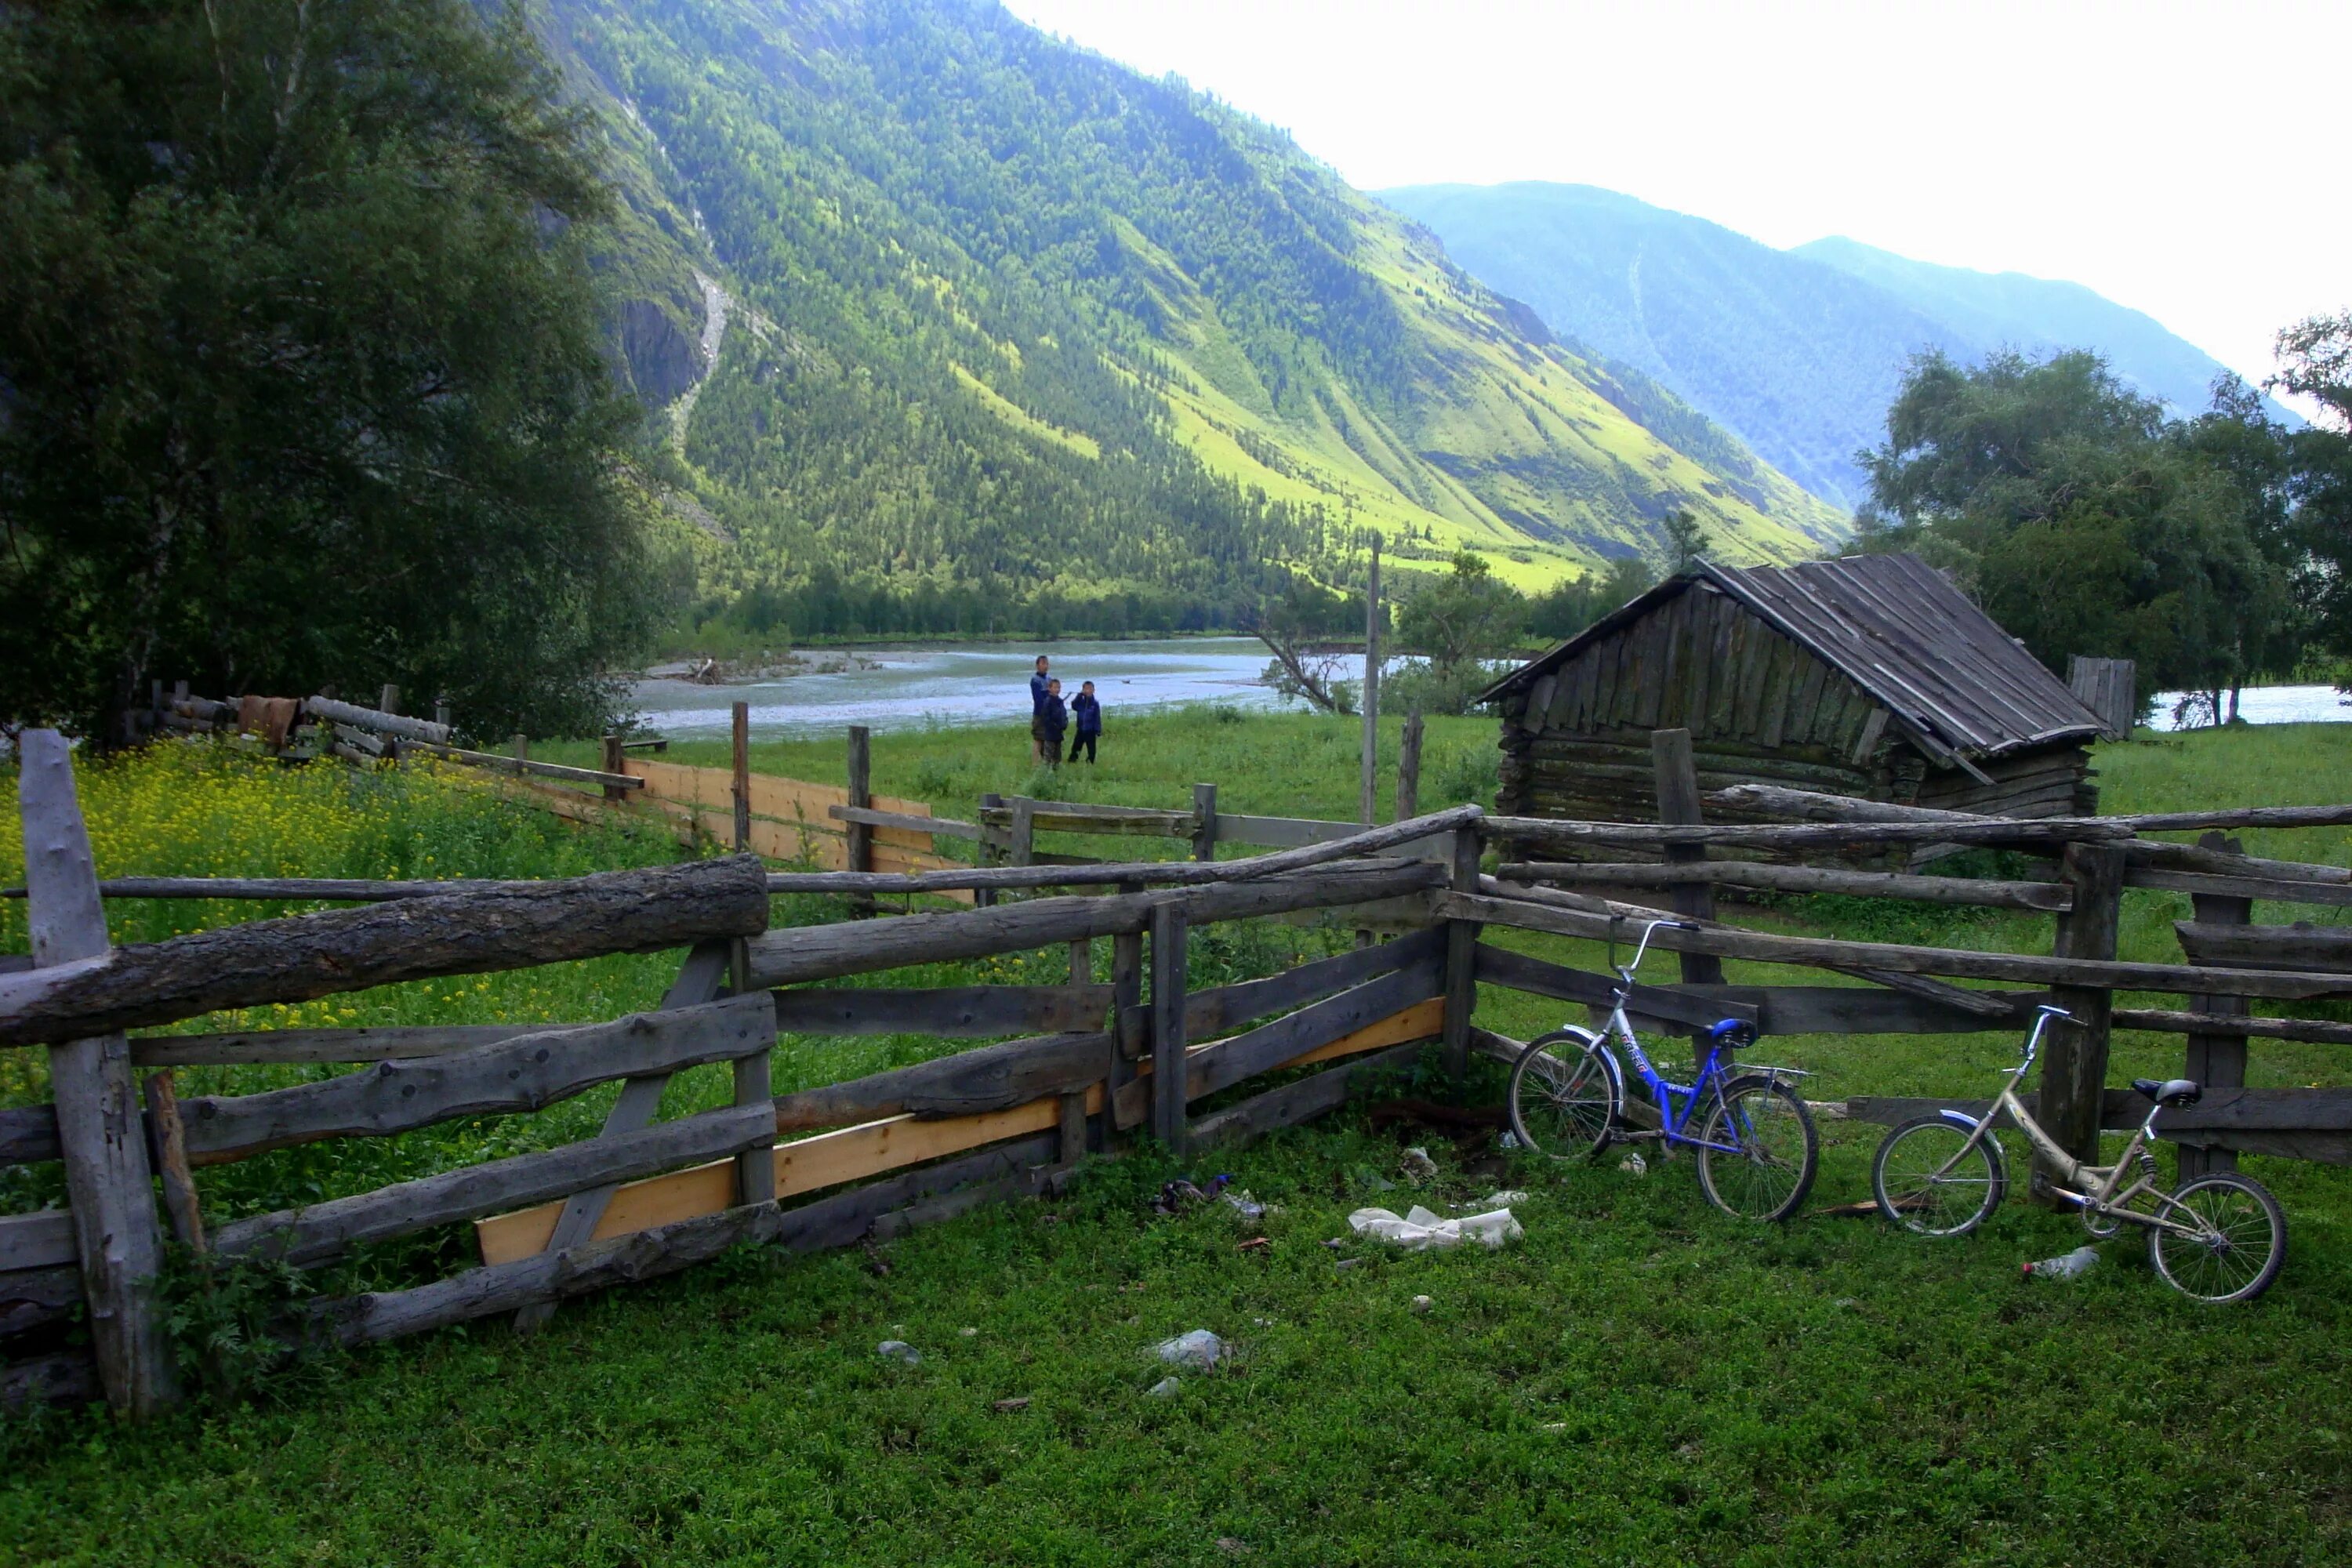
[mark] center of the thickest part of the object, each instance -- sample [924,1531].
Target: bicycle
[2219,1237]
[1757,1152]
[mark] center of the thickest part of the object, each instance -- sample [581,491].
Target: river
[916,688]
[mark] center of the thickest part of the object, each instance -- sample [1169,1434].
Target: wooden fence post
[519,746]
[755,1168]
[1204,822]
[1408,790]
[389,702]
[2074,1058]
[1125,1026]
[1461,959]
[617,758]
[1677,779]
[170,1140]
[743,784]
[108,1182]
[861,795]
[1023,849]
[441,710]
[1168,1026]
[2217,1061]
[1371,703]
[990,850]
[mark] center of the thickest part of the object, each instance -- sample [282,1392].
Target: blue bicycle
[1757,1148]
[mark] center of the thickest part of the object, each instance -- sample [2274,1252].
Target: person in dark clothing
[1086,713]
[1038,684]
[1052,721]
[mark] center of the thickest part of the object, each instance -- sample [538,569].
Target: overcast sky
[2179,158]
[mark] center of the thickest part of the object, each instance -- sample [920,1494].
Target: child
[1052,719]
[1088,714]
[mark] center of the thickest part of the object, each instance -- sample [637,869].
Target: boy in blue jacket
[1087,712]
[1052,720]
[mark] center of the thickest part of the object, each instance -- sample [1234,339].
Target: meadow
[1639,1379]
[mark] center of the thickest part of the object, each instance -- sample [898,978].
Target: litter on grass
[899,1351]
[1164,1387]
[1418,1229]
[1418,1166]
[1200,1348]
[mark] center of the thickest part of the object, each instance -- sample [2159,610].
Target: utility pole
[1372,686]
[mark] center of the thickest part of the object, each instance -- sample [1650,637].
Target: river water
[912,689]
[915,687]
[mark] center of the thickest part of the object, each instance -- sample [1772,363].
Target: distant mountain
[950,314]
[1796,352]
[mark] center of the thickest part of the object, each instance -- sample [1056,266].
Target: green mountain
[1796,352]
[952,317]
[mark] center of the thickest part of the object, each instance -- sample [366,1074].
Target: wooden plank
[2208,885]
[739,786]
[2235,1025]
[1208,1013]
[260,1046]
[857,849]
[604,778]
[1422,1022]
[168,1134]
[532,1283]
[1823,953]
[1461,976]
[944,826]
[2047,896]
[809,1165]
[28,1133]
[44,1238]
[36,1298]
[301,957]
[1293,1103]
[1676,782]
[324,1230]
[62,1377]
[2311,948]
[824,953]
[376,720]
[2018,832]
[1168,989]
[1518,972]
[527,1073]
[101,1140]
[2294,1123]
[1221,1063]
[2216,1059]
[951,1012]
[993,1078]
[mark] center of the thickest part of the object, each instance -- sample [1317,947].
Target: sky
[2176,158]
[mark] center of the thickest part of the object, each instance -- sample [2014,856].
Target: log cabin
[1870,675]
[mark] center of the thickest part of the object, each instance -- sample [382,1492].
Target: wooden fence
[1069,1067]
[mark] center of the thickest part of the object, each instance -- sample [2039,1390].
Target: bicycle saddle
[2172,1091]
[1732,1035]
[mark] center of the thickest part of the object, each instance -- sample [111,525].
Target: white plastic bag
[1419,1229]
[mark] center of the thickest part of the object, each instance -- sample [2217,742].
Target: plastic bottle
[2071,1266]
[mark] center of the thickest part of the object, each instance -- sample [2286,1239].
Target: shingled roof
[1947,673]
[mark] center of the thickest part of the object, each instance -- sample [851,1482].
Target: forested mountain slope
[1796,352]
[1010,322]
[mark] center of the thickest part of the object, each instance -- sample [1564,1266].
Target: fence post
[389,702]
[617,758]
[1127,1029]
[1677,780]
[1408,790]
[169,1141]
[1461,959]
[861,798]
[1168,1026]
[742,785]
[2217,1061]
[108,1182]
[1371,703]
[985,898]
[755,1168]
[1023,847]
[441,710]
[1204,822]
[2075,1061]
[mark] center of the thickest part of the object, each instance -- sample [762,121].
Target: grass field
[1639,1381]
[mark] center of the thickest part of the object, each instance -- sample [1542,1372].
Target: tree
[1456,625]
[1569,607]
[1289,626]
[2080,519]
[2315,359]
[302,379]
[1686,542]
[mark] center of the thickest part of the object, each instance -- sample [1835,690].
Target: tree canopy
[302,379]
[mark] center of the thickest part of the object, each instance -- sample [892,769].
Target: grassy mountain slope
[1796,352]
[1794,358]
[1010,319]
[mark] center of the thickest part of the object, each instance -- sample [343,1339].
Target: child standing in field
[1038,684]
[1087,713]
[1052,720]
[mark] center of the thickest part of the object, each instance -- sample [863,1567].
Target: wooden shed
[1870,676]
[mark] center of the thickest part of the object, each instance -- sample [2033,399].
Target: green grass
[1639,1379]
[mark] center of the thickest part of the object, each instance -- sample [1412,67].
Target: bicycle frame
[2096,1190]
[1709,1075]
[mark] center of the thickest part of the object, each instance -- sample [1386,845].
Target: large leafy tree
[2315,360]
[2084,522]
[1457,624]
[300,374]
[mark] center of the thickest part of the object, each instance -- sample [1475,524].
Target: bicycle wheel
[1923,1183]
[1769,1166]
[2244,1239]
[1564,1095]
